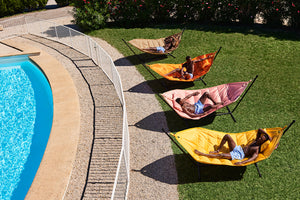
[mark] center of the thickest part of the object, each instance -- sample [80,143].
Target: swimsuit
[237,153]
[199,107]
[160,49]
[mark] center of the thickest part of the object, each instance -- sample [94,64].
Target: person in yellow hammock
[237,152]
[187,69]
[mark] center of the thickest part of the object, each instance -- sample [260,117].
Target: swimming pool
[26,114]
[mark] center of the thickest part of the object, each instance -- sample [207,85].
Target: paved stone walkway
[107,133]
[153,173]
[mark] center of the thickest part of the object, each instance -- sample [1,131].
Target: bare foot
[214,152]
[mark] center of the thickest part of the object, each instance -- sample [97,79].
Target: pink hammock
[227,93]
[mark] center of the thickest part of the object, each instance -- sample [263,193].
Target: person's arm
[253,157]
[189,96]
[259,132]
[201,59]
[182,69]
[190,113]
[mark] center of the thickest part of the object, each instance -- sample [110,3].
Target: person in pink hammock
[199,108]
[250,151]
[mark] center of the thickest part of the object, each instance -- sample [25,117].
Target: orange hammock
[200,68]
[145,44]
[226,93]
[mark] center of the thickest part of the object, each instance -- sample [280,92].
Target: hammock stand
[229,111]
[198,164]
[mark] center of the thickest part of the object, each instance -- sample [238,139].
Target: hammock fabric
[143,44]
[226,93]
[200,68]
[205,140]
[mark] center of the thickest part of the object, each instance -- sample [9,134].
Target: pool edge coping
[61,149]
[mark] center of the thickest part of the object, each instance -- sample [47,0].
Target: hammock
[206,140]
[144,44]
[200,68]
[226,93]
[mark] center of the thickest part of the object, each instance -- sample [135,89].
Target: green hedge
[64,2]
[10,7]
[91,14]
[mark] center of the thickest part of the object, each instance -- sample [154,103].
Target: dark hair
[268,137]
[188,57]
[178,100]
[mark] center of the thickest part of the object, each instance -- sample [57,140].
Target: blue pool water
[26,112]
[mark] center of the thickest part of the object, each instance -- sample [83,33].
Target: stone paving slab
[108,117]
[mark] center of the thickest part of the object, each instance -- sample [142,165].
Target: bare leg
[207,95]
[221,155]
[207,108]
[173,71]
[153,49]
[226,138]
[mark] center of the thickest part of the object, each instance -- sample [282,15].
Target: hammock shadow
[188,172]
[159,85]
[176,123]
[147,122]
[163,171]
[138,59]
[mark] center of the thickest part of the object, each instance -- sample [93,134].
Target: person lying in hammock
[199,108]
[187,69]
[237,152]
[160,49]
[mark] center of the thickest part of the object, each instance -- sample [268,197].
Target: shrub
[90,15]
[34,4]
[10,7]
[293,13]
[63,2]
[95,13]
[274,12]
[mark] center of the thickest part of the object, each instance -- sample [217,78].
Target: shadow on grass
[138,59]
[178,123]
[163,171]
[159,85]
[262,30]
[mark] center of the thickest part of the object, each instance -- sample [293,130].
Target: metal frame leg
[230,113]
[257,169]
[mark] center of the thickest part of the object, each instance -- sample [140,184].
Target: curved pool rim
[53,175]
[43,112]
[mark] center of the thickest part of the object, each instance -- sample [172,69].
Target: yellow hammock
[144,44]
[200,68]
[206,140]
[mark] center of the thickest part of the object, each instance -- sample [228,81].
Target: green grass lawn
[273,100]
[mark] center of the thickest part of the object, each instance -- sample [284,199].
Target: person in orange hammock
[189,66]
[250,151]
[199,108]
